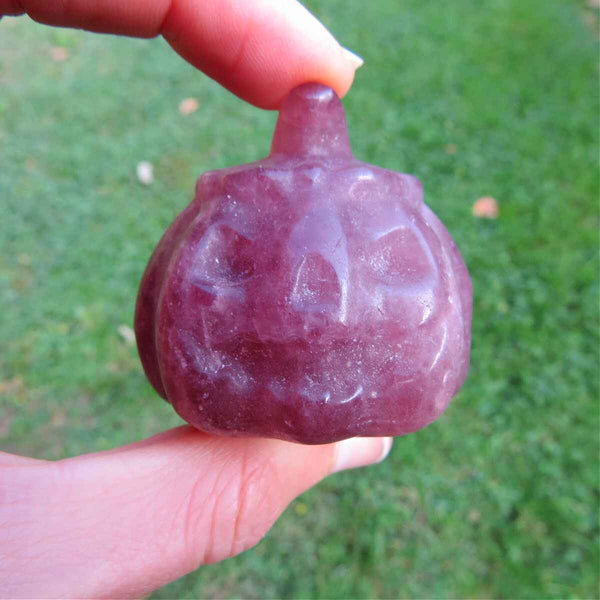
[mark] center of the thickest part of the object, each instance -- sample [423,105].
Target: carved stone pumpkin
[307,296]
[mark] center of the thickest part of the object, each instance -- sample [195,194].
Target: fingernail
[360,452]
[386,447]
[356,60]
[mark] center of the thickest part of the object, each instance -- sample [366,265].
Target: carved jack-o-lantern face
[308,296]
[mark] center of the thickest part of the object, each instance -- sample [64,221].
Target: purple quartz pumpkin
[307,296]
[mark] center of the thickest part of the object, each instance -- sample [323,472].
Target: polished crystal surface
[307,296]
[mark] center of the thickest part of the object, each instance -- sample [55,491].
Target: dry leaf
[301,509]
[451,149]
[474,516]
[59,418]
[11,385]
[486,208]
[145,172]
[188,106]
[59,54]
[127,334]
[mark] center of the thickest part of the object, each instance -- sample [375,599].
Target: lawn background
[499,498]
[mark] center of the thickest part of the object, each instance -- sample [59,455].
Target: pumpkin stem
[311,122]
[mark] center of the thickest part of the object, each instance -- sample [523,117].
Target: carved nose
[319,254]
[317,288]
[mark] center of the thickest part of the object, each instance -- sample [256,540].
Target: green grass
[499,498]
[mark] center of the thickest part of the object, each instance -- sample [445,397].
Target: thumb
[127,521]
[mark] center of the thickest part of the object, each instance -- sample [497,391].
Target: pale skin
[123,522]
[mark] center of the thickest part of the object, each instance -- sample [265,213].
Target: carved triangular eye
[316,286]
[399,257]
[224,257]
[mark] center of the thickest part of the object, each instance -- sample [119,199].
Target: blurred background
[493,100]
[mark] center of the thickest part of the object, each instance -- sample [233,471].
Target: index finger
[258,49]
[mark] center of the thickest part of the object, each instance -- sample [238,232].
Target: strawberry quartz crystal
[307,296]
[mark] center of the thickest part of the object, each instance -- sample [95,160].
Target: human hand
[258,49]
[126,521]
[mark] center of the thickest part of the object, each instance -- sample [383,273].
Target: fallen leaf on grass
[127,334]
[188,106]
[59,418]
[474,516]
[486,208]
[11,385]
[145,172]
[59,54]
[301,509]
